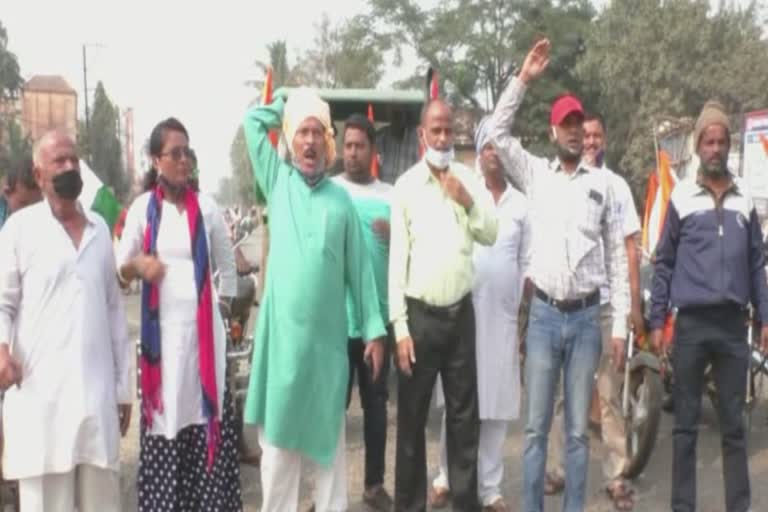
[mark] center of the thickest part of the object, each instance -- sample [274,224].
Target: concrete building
[48,102]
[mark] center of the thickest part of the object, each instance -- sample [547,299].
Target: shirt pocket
[590,213]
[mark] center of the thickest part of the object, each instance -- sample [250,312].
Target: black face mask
[68,184]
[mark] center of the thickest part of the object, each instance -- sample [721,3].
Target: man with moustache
[371,198]
[496,293]
[710,266]
[64,348]
[612,426]
[438,212]
[317,255]
[573,218]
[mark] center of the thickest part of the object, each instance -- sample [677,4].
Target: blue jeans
[557,341]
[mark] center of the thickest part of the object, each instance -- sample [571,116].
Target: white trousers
[281,475]
[490,460]
[86,488]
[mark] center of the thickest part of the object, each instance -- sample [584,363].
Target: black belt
[569,305]
[450,310]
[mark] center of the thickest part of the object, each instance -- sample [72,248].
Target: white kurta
[180,366]
[496,294]
[62,311]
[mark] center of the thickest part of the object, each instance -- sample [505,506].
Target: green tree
[647,58]
[476,48]
[226,194]
[14,145]
[102,145]
[282,72]
[245,189]
[346,55]
[10,74]
[19,146]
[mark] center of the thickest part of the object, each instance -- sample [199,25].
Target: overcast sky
[171,57]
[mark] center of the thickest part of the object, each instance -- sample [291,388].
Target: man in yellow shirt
[438,212]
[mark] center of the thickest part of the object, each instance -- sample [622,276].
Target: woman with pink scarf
[173,236]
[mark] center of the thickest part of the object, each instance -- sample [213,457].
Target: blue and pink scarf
[150,363]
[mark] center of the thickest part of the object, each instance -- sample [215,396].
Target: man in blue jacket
[710,266]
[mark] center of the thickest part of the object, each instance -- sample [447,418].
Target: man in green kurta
[300,370]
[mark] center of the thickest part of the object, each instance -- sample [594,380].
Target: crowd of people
[429,273]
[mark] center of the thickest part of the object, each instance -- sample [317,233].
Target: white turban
[482,133]
[302,104]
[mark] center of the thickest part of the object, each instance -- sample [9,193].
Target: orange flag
[433,92]
[266,99]
[375,157]
[660,185]
[764,140]
[650,197]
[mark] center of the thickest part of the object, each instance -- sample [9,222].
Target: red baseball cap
[563,106]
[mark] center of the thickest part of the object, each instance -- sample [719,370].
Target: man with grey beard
[709,266]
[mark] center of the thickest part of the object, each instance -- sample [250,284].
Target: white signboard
[755,151]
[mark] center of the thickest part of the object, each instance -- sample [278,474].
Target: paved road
[653,487]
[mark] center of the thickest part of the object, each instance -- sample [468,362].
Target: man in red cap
[577,247]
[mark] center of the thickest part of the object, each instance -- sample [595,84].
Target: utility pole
[85,92]
[85,83]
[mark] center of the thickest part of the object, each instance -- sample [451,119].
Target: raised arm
[265,161]
[519,165]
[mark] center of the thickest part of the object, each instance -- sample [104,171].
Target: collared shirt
[571,214]
[625,209]
[431,240]
[61,310]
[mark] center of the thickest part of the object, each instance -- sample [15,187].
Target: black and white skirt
[173,476]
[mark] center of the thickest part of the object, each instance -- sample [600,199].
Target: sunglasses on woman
[179,151]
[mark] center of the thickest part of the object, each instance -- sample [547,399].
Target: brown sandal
[621,495]
[553,484]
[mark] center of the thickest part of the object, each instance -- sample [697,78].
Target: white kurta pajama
[61,310]
[496,294]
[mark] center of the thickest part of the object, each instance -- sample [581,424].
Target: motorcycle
[642,395]
[240,348]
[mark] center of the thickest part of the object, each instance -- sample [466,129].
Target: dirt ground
[653,487]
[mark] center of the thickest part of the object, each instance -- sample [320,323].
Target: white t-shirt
[630,221]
